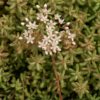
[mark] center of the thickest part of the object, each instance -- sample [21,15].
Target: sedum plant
[49,49]
[50,36]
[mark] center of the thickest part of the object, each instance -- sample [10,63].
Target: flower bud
[22,23]
[20,38]
[66,28]
[38,6]
[55,32]
[73,43]
[68,23]
[27,20]
[45,5]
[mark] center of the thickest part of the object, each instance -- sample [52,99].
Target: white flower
[44,19]
[45,11]
[46,39]
[47,50]
[25,33]
[38,6]
[50,35]
[57,39]
[22,23]
[61,21]
[57,16]
[32,26]
[54,46]
[20,38]
[52,24]
[49,29]
[48,11]
[30,39]
[39,16]
[30,31]
[42,45]
[27,20]
[45,5]
[71,36]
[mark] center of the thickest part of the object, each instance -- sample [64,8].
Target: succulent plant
[70,30]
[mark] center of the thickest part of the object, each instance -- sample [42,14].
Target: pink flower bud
[73,43]
[66,28]
[27,20]
[22,23]
[38,6]
[68,23]
[45,5]
[55,32]
[20,38]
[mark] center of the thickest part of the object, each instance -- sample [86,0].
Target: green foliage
[26,73]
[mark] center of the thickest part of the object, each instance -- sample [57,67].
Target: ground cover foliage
[26,72]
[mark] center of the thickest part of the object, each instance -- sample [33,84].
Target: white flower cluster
[50,41]
[28,34]
[43,16]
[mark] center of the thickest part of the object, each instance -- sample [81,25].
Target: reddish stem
[54,68]
[23,89]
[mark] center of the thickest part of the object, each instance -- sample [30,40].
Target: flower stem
[57,79]
[23,89]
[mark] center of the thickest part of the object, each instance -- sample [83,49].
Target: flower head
[42,45]
[45,11]
[44,18]
[49,29]
[57,16]
[52,24]
[50,35]
[55,46]
[61,21]
[39,16]
[71,36]
[30,31]
[57,39]
[32,25]
[30,39]
[25,33]
[46,39]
